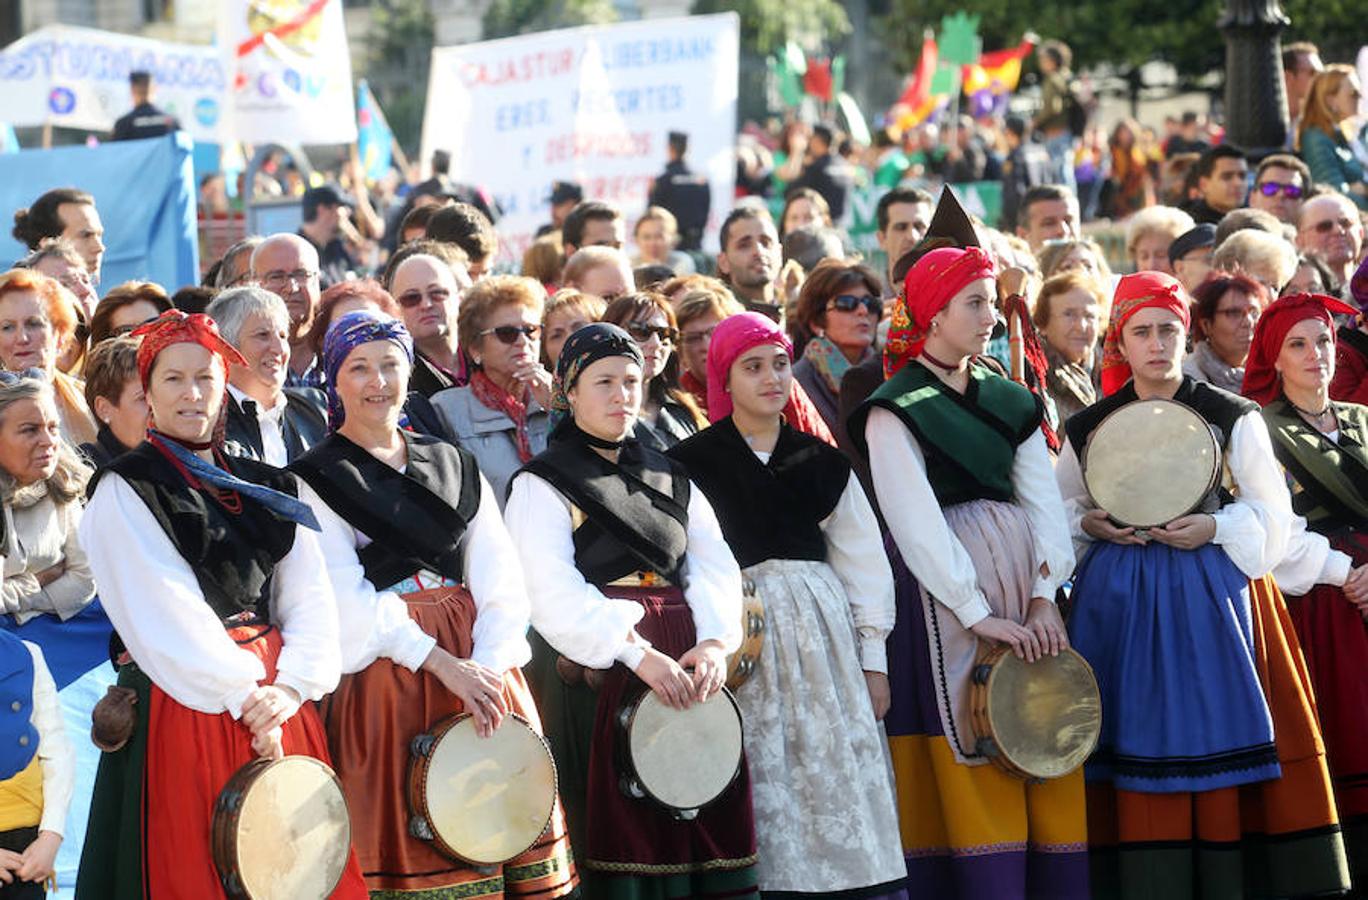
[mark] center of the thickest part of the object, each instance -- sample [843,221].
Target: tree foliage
[397,69]
[1122,33]
[767,24]
[505,18]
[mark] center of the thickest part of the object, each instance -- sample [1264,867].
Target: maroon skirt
[637,836]
[1334,638]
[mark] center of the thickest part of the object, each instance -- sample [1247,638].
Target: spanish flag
[997,72]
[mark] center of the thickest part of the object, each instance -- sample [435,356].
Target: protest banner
[289,71]
[150,219]
[78,78]
[591,105]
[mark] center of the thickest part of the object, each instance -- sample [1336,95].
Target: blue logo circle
[61,100]
[206,111]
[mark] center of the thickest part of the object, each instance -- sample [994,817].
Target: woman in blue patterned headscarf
[432,610]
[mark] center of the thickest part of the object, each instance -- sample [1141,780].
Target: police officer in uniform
[145,120]
[683,193]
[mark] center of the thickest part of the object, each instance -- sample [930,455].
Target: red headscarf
[931,283]
[1261,379]
[1142,290]
[175,327]
[733,336]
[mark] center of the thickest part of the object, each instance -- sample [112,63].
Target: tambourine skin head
[1045,717]
[1150,462]
[485,800]
[684,759]
[289,835]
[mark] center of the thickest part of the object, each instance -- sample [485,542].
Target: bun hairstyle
[40,221]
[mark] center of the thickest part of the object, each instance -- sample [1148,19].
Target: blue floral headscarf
[344,336]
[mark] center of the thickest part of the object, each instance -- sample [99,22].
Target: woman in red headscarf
[1209,778]
[224,606]
[962,474]
[803,531]
[1321,447]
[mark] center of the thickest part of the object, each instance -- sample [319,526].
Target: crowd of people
[361,480]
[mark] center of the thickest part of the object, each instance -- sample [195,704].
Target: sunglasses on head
[642,332]
[1290,191]
[509,334]
[851,302]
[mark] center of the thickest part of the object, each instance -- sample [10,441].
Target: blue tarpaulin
[144,191]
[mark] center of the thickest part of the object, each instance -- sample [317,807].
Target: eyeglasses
[642,332]
[851,302]
[694,338]
[1271,188]
[276,280]
[509,334]
[1328,225]
[410,299]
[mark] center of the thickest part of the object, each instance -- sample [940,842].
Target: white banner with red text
[591,105]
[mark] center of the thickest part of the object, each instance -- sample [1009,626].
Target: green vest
[969,440]
[1328,480]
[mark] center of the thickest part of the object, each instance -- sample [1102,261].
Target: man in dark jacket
[266,421]
[683,193]
[1027,166]
[826,173]
[145,120]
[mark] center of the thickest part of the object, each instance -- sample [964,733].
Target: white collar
[271,414]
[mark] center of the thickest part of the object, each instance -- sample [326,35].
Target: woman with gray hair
[48,592]
[265,420]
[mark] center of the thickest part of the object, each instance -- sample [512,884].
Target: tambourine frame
[1212,481]
[421,747]
[228,804]
[626,715]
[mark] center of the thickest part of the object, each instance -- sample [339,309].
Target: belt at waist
[639,580]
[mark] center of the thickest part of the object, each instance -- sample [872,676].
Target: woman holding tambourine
[803,531]
[627,572]
[962,475]
[408,522]
[1321,447]
[222,600]
[1210,764]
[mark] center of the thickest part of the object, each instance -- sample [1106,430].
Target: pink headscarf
[733,336]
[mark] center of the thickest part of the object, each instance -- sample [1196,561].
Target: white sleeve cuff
[1336,569]
[411,646]
[874,653]
[973,612]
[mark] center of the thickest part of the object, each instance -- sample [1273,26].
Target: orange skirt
[1278,838]
[373,716]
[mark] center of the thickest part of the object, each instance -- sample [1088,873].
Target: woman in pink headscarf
[803,531]
[961,471]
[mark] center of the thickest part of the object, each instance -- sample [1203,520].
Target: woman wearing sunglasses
[838,312]
[500,416]
[668,414]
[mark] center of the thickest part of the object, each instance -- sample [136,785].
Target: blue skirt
[1169,636]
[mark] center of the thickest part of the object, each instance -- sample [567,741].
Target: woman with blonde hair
[1322,136]
[655,236]
[38,316]
[1149,234]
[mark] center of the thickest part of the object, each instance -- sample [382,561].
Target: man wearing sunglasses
[1280,185]
[1330,228]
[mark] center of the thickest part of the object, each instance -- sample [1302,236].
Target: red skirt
[190,757]
[1334,638]
[637,837]
[371,719]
